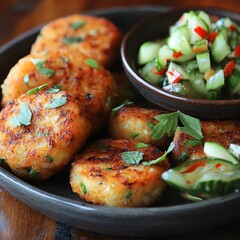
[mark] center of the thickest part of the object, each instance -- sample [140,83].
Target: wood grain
[18,221]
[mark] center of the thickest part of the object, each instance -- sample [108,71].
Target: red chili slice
[237,51]
[161,72]
[229,68]
[173,76]
[194,166]
[212,36]
[177,54]
[201,32]
[232,27]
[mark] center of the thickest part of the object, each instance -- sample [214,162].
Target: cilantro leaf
[77,24]
[116,109]
[54,89]
[40,65]
[35,90]
[160,159]
[132,157]
[91,63]
[24,116]
[141,145]
[57,102]
[71,40]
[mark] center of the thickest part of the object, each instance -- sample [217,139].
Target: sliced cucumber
[215,150]
[234,82]
[203,60]
[148,51]
[205,17]
[176,67]
[216,81]
[164,54]
[200,86]
[224,32]
[234,149]
[193,23]
[220,48]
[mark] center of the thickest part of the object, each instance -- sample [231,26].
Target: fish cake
[99,175]
[135,123]
[223,132]
[92,86]
[94,36]
[37,140]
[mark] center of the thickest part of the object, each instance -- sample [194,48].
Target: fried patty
[96,37]
[37,140]
[100,175]
[223,132]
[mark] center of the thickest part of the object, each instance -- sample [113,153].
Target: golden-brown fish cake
[49,141]
[223,132]
[94,36]
[135,123]
[92,87]
[100,175]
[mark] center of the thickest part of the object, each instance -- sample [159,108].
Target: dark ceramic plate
[157,26]
[54,198]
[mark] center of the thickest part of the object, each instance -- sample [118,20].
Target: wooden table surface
[18,221]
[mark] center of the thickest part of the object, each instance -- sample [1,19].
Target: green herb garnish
[32,172]
[24,116]
[49,158]
[160,159]
[141,145]
[108,168]
[168,124]
[128,195]
[192,143]
[183,157]
[77,24]
[37,89]
[91,63]
[57,102]
[71,40]
[132,157]
[84,188]
[116,109]
[134,135]
[1,160]
[40,64]
[26,79]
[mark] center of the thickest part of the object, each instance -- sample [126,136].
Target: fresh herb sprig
[116,109]
[40,65]
[169,123]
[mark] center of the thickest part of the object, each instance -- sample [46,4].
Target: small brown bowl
[156,26]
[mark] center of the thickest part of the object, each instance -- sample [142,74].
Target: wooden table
[18,221]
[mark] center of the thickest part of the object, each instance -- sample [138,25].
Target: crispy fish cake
[92,86]
[135,123]
[100,175]
[96,37]
[223,132]
[41,133]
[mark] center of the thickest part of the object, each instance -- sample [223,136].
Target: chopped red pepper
[194,166]
[218,165]
[161,72]
[177,54]
[201,32]
[237,51]
[173,76]
[229,68]
[232,27]
[212,36]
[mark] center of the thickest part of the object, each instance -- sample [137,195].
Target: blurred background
[18,16]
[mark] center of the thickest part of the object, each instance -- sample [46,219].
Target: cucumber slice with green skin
[216,81]
[233,82]
[204,177]
[147,68]
[193,23]
[153,78]
[164,54]
[215,150]
[200,86]
[148,51]
[224,32]
[205,17]
[176,67]
[203,60]
[220,49]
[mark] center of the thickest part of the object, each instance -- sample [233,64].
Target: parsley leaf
[134,135]
[91,63]
[168,124]
[50,158]
[77,24]
[116,109]
[141,145]
[84,188]
[35,90]
[71,40]
[40,64]
[57,102]
[24,116]
[132,157]
[54,89]
[160,159]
